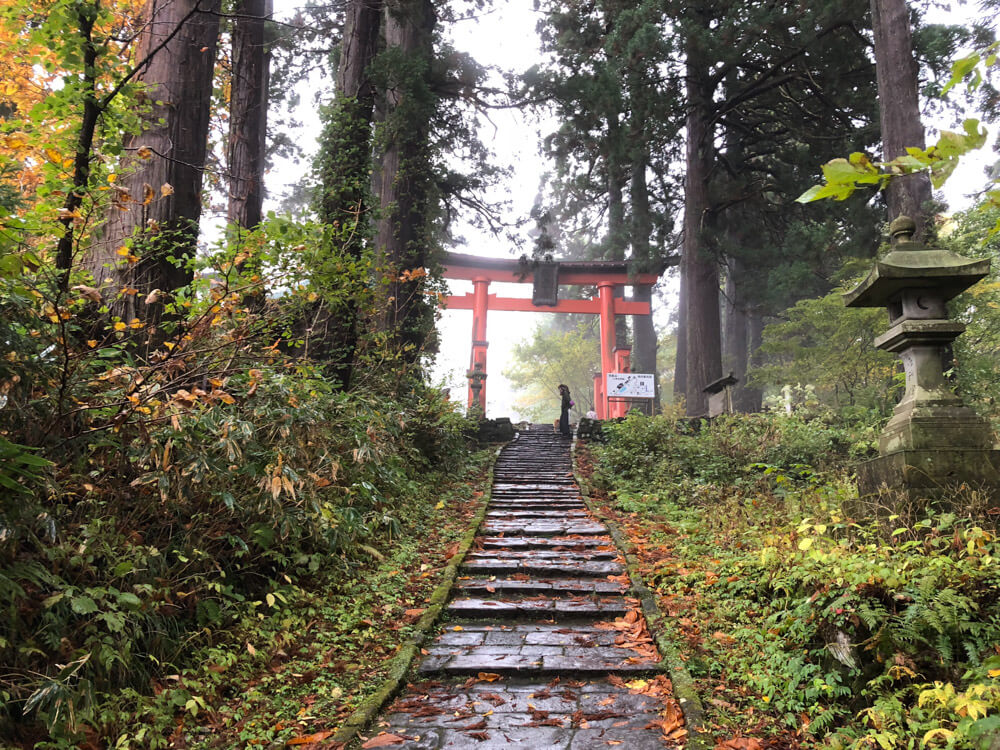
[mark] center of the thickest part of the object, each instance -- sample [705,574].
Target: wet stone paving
[542,647]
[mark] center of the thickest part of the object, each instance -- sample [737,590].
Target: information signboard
[630,385]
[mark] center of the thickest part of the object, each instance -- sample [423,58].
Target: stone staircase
[543,647]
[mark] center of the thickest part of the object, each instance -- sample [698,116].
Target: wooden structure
[547,277]
[720,395]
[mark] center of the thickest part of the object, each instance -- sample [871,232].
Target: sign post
[626,386]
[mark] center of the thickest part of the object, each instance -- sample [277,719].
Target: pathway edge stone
[698,737]
[370,707]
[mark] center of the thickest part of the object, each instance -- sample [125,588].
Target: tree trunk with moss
[699,269]
[330,325]
[403,235]
[644,333]
[247,147]
[159,198]
[899,108]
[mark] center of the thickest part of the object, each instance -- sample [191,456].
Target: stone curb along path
[544,646]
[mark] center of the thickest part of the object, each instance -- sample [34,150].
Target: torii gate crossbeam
[605,275]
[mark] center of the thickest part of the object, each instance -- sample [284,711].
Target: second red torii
[604,274]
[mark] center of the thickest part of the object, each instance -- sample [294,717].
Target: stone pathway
[543,647]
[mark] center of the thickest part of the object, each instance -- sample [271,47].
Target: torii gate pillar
[480,304]
[613,358]
[599,404]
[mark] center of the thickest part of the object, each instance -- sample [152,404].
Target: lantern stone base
[931,473]
[933,424]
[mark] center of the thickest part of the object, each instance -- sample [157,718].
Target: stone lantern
[933,439]
[476,377]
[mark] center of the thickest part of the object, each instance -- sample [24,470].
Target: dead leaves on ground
[385,739]
[740,743]
[633,634]
[310,739]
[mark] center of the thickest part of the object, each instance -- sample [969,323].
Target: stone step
[513,480]
[539,607]
[586,554]
[538,585]
[537,661]
[487,633]
[540,597]
[537,497]
[540,527]
[539,507]
[558,513]
[525,487]
[499,566]
[506,714]
[540,504]
[543,542]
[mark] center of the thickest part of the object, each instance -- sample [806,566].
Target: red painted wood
[606,298]
[480,305]
[599,396]
[565,277]
[513,304]
[590,273]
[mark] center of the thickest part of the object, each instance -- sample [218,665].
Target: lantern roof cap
[912,265]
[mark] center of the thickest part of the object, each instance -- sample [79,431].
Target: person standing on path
[567,402]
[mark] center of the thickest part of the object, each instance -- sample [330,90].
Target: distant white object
[630,385]
[786,393]
[591,414]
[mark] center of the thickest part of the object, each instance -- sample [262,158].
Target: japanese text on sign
[630,385]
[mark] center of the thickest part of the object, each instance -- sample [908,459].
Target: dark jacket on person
[567,402]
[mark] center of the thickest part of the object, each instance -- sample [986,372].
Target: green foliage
[664,453]
[845,631]
[844,176]
[220,504]
[197,472]
[822,343]
[977,370]
[551,357]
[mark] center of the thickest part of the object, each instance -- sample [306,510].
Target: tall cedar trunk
[752,397]
[643,331]
[680,356]
[899,107]
[159,203]
[402,235]
[699,271]
[617,236]
[247,148]
[736,339]
[345,166]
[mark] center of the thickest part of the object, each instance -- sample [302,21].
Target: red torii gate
[604,274]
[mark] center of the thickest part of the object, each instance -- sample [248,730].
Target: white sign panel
[630,385]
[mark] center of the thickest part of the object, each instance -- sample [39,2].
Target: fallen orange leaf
[308,740]
[383,740]
[740,743]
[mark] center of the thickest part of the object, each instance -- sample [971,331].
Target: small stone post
[933,439]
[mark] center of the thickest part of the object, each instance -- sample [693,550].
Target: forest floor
[326,654]
[653,543]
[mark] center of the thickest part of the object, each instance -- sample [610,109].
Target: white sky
[506,38]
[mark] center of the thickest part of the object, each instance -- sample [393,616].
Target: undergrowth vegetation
[165,489]
[801,616]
